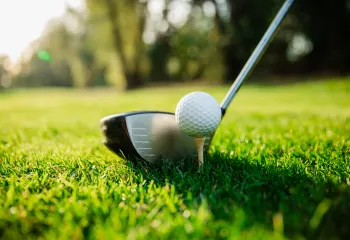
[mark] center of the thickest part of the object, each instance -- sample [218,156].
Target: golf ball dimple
[198,114]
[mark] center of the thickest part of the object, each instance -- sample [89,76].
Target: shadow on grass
[311,208]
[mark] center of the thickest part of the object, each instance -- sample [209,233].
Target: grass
[279,167]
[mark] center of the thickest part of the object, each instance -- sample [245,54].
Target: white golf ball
[198,114]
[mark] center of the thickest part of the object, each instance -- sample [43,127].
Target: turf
[279,167]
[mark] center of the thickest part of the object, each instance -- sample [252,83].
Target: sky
[22,21]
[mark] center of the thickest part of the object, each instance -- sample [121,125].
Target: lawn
[279,167]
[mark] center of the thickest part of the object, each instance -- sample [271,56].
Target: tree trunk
[232,64]
[132,77]
[200,71]
[134,80]
[230,47]
[159,55]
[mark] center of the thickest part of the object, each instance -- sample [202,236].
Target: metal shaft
[256,55]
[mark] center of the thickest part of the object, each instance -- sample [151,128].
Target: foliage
[129,44]
[126,22]
[193,46]
[278,168]
[5,80]
[62,56]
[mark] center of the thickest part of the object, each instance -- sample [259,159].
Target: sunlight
[22,21]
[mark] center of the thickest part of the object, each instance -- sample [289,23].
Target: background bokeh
[128,44]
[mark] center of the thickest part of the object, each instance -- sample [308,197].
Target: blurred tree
[87,68]
[314,38]
[241,24]
[5,80]
[54,51]
[37,71]
[180,37]
[132,42]
[46,63]
[183,44]
[157,36]
[326,24]
[193,46]
[126,20]
[159,54]
[64,55]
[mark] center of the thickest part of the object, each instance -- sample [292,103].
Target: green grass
[279,167]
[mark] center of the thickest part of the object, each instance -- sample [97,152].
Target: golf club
[154,136]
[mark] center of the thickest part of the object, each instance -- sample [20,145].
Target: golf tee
[200,148]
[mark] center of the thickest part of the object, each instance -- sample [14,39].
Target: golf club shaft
[256,55]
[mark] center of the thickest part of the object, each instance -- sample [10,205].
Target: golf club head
[149,135]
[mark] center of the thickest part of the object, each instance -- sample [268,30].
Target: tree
[126,20]
[184,42]
[322,28]
[5,80]
[193,46]
[327,26]
[241,24]
[83,54]
[65,55]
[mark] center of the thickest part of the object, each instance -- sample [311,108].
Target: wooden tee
[200,148]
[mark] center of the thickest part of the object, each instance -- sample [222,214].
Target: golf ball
[198,114]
